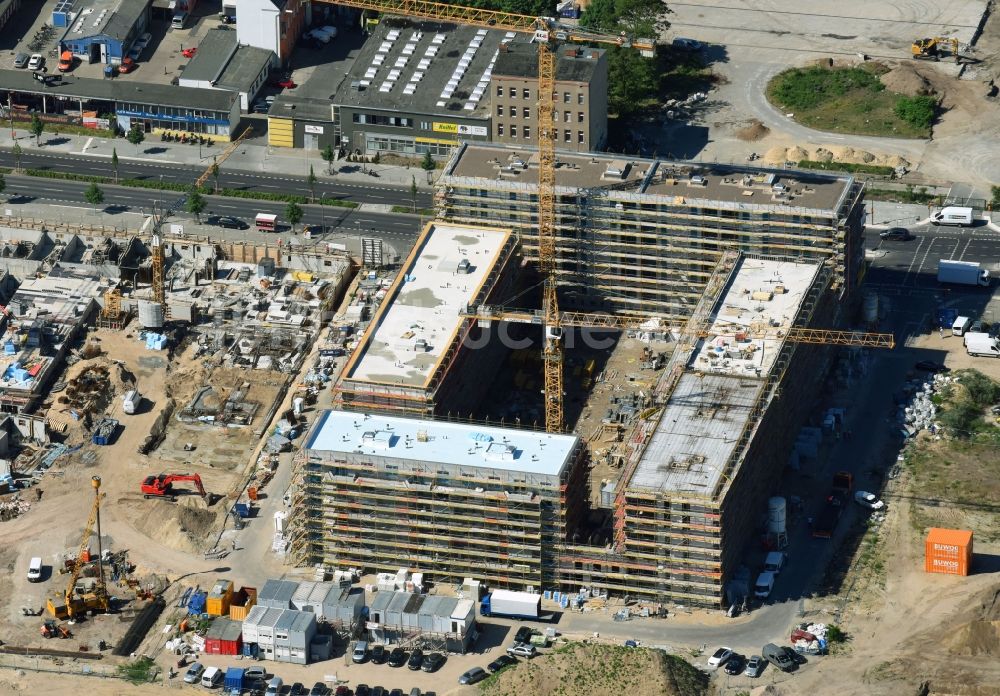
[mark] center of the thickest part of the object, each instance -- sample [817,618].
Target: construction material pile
[9,509]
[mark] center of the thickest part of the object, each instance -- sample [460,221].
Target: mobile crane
[70,605]
[162,486]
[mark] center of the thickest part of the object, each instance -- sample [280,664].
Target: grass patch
[876,169]
[850,100]
[407,209]
[907,195]
[139,671]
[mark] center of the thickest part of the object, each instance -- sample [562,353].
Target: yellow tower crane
[159,293]
[69,605]
[216,161]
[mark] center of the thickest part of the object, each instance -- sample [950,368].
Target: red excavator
[162,486]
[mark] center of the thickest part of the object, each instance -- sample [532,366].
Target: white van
[953,215]
[764,585]
[130,404]
[179,21]
[960,326]
[35,569]
[212,677]
[774,562]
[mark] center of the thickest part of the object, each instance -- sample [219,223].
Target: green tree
[94,195]
[413,192]
[215,175]
[17,151]
[917,111]
[195,204]
[632,81]
[311,180]
[135,136]
[114,162]
[294,214]
[328,154]
[428,162]
[637,18]
[37,128]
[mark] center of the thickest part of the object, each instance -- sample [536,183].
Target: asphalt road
[397,230]
[375,192]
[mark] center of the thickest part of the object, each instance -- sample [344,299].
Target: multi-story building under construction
[642,236]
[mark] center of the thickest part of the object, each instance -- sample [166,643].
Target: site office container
[242,602]
[948,551]
[219,598]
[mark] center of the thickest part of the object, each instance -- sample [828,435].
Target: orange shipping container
[948,551]
[242,602]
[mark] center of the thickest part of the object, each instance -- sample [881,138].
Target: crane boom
[72,606]
[216,161]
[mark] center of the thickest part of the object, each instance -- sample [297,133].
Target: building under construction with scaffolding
[641,236]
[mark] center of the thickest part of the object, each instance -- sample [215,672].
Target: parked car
[396,692]
[227,221]
[297,689]
[360,653]
[432,662]
[688,44]
[473,676]
[735,664]
[416,659]
[378,691]
[21,60]
[379,654]
[362,690]
[284,83]
[319,689]
[931,366]
[254,674]
[342,690]
[189,52]
[193,673]
[779,658]
[522,650]
[397,658]
[868,500]
[260,107]
[36,62]
[755,666]
[228,19]
[719,657]
[896,234]
[524,634]
[127,66]
[501,662]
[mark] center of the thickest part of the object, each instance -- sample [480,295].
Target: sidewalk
[253,155]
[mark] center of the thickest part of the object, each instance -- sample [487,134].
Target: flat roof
[711,405]
[421,313]
[683,182]
[122,90]
[223,62]
[573,63]
[430,441]
[425,67]
[113,18]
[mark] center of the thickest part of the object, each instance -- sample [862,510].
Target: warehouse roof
[679,182]
[699,430]
[573,63]
[448,269]
[112,18]
[223,62]
[429,441]
[121,91]
[412,66]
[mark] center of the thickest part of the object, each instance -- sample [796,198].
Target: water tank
[870,308]
[776,515]
[150,315]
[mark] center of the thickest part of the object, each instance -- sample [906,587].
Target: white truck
[962,273]
[131,401]
[981,344]
[513,605]
[953,215]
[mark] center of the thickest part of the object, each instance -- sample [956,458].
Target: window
[568,136]
[499,129]
[513,112]
[567,116]
[499,90]
[565,97]
[579,137]
[499,109]
[513,92]
[527,132]
[579,117]
[513,131]
[527,112]
[527,93]
[579,99]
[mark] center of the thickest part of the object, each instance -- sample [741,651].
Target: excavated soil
[183,525]
[905,79]
[753,131]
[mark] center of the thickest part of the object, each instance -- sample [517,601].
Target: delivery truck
[953,215]
[513,605]
[981,344]
[962,273]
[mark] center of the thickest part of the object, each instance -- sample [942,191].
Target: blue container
[243,509]
[234,680]
[196,605]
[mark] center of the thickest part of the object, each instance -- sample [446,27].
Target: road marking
[913,260]
[962,255]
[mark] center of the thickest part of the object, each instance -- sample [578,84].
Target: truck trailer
[513,605]
[962,273]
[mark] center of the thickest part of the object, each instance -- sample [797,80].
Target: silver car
[21,60]
[193,673]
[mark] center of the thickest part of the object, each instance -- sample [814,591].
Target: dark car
[319,689]
[228,19]
[378,691]
[397,658]
[227,221]
[473,676]
[298,689]
[501,662]
[523,635]
[755,666]
[260,107]
[416,659]
[779,658]
[896,234]
[432,662]
[931,366]
[362,690]
[342,690]
[379,654]
[396,692]
[735,664]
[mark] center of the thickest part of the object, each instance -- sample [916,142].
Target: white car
[720,657]
[868,500]
[36,62]
[522,650]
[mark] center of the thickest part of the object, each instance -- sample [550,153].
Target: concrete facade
[274,25]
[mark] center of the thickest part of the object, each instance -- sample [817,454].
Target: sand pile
[821,154]
[904,79]
[776,155]
[184,525]
[753,131]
